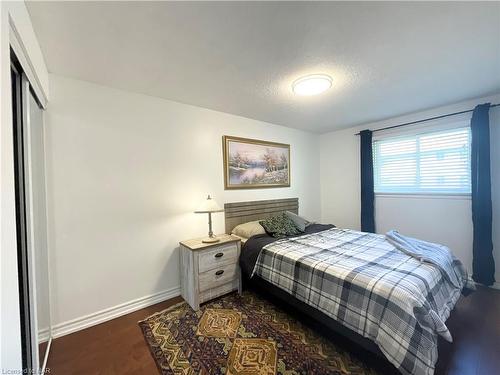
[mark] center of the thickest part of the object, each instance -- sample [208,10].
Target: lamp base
[210,240]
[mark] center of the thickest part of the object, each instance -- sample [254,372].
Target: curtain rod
[428,119]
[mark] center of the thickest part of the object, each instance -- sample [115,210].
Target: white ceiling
[386,59]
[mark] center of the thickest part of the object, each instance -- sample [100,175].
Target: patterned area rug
[243,335]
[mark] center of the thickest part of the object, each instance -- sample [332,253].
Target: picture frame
[255,164]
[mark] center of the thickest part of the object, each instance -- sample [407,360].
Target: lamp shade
[208,205]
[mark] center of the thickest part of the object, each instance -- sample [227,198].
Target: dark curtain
[483,265]
[367,194]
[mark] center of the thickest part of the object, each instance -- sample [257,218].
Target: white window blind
[432,162]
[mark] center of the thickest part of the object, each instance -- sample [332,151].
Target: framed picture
[250,163]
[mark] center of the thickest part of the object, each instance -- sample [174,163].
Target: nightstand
[209,270]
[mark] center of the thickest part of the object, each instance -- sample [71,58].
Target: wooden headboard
[242,212]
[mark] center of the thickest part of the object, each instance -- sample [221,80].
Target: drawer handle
[220,272]
[219,255]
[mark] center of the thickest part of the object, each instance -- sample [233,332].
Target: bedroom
[125,116]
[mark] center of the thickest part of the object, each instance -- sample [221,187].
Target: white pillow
[247,230]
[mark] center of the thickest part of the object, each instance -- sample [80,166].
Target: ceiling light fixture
[313,84]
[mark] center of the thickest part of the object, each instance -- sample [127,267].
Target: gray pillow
[300,222]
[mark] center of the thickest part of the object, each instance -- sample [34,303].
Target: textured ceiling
[386,59]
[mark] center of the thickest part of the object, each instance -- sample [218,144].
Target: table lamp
[209,205]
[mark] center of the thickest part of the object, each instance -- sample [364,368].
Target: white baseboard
[496,285]
[43,335]
[102,316]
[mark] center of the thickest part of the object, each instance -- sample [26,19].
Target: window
[432,162]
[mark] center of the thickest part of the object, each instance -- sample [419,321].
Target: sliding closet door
[22,217]
[37,226]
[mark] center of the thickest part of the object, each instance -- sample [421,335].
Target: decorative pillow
[300,222]
[280,226]
[247,230]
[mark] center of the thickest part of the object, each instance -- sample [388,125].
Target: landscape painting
[250,163]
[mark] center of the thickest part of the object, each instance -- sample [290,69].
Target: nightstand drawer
[218,291]
[222,255]
[217,276]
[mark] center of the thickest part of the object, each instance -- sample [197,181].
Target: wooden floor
[117,347]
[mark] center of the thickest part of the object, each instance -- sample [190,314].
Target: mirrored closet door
[31,215]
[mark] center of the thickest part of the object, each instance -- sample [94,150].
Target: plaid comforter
[362,281]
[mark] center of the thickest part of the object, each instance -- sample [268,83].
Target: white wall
[15,15]
[125,172]
[446,220]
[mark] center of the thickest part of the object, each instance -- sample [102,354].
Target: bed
[355,283]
